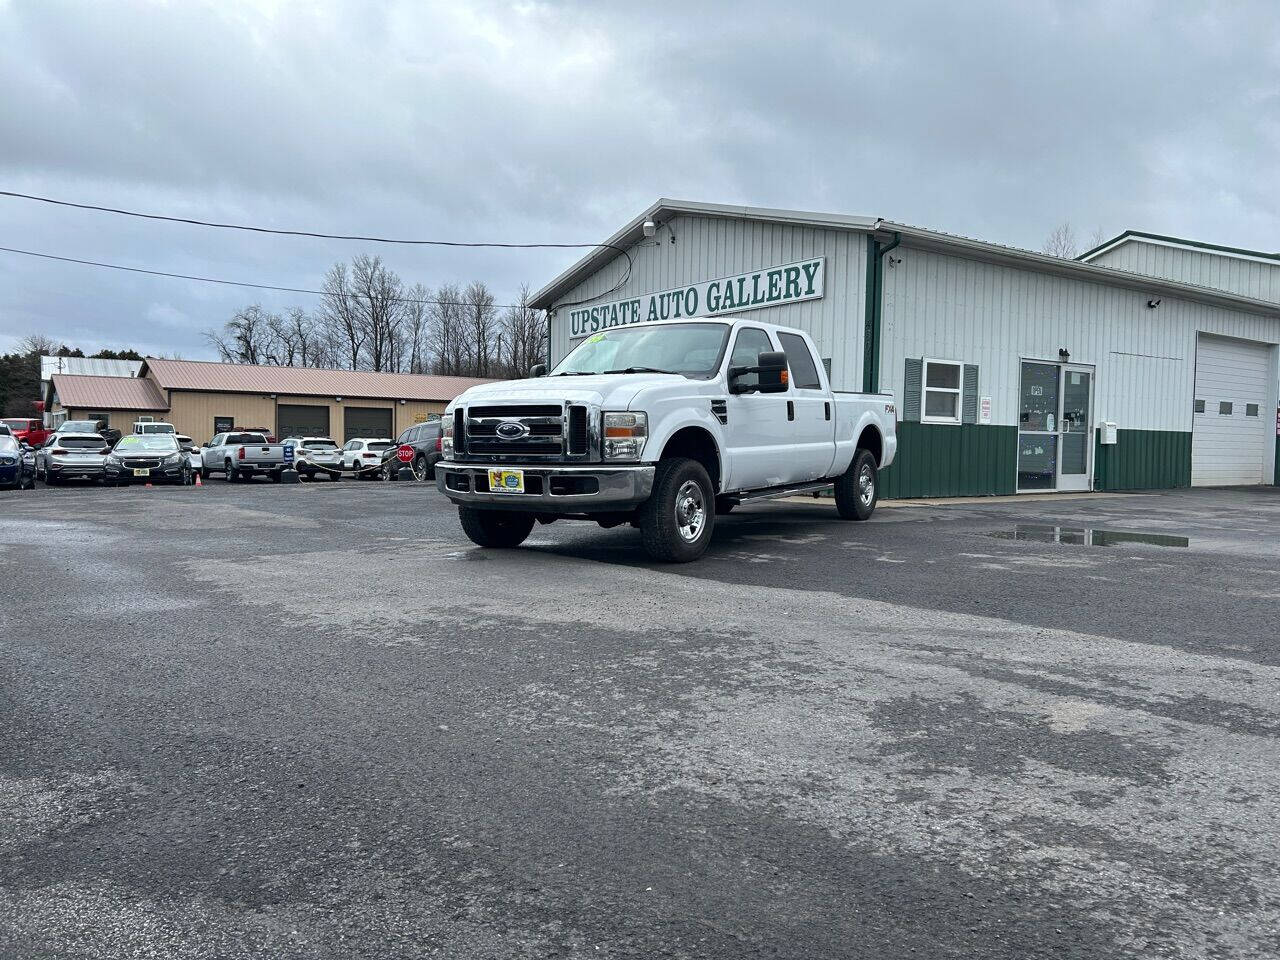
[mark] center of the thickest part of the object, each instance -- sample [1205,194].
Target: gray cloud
[557,121]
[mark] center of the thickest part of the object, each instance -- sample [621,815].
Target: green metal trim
[941,460]
[1217,247]
[874,311]
[1142,460]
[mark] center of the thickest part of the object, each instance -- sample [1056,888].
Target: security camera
[1153,303]
[650,228]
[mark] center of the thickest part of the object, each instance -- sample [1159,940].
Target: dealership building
[202,399]
[1148,362]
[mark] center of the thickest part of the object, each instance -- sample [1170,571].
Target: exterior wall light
[1064,354]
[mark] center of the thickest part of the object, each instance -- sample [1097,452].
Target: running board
[772,493]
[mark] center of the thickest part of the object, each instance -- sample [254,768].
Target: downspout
[874,310]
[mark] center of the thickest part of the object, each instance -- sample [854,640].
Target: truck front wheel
[495,528]
[858,488]
[676,520]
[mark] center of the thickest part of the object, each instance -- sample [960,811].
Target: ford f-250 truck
[662,426]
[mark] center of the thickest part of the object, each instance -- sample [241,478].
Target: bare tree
[246,338]
[378,300]
[1061,242]
[445,334]
[523,337]
[415,323]
[39,344]
[342,317]
[1098,238]
[480,321]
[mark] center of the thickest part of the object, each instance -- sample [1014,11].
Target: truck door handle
[827,407]
[791,409]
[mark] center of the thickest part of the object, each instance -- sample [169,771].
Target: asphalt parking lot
[314,721]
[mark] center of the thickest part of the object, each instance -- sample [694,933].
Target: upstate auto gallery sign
[789,283]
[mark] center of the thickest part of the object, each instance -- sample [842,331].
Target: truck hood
[613,391]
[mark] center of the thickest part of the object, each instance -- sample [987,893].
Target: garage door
[1230,442]
[297,420]
[366,422]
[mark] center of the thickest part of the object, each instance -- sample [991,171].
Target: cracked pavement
[314,721]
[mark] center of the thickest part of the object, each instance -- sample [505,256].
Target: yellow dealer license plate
[506,481]
[141,472]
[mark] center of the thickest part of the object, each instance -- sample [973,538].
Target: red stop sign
[405,453]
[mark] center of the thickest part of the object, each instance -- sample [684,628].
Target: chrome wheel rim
[691,511]
[419,468]
[866,486]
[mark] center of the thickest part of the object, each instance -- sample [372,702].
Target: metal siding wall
[1205,268]
[711,247]
[949,308]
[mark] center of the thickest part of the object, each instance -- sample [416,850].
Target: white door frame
[1074,482]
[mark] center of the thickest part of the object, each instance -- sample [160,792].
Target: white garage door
[1230,442]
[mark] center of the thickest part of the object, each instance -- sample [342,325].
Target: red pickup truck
[27,430]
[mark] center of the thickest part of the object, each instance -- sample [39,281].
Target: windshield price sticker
[771,286]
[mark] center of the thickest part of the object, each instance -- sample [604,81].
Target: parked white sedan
[363,454]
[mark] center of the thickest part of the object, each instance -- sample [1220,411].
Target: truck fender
[691,433]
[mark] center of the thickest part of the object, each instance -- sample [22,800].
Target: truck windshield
[689,349]
[153,442]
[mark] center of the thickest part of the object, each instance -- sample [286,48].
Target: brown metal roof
[304,381]
[107,393]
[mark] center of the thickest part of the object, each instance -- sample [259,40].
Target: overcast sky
[557,122]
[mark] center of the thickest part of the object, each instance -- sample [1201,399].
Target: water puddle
[1087,536]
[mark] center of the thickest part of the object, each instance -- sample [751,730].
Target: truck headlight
[446,437]
[174,459]
[624,435]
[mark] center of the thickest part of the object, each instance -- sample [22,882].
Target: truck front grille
[577,445]
[517,431]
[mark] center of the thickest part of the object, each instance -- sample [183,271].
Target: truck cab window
[751,342]
[804,372]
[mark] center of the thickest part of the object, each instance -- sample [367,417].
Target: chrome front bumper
[552,487]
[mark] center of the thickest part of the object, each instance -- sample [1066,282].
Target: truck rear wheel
[495,528]
[677,519]
[858,488]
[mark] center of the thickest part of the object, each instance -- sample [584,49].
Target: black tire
[186,477]
[421,472]
[277,476]
[858,488]
[387,472]
[228,472]
[677,520]
[495,528]
[204,474]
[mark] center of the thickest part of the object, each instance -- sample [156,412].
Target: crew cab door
[757,432]
[813,425]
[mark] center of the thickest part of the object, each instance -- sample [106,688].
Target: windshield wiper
[574,373]
[643,370]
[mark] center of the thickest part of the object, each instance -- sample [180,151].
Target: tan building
[202,398]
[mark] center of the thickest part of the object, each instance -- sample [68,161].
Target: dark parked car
[17,472]
[148,458]
[424,440]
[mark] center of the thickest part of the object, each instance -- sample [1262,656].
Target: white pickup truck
[239,456]
[662,426]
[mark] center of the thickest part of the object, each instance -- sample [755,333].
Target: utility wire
[241,283]
[335,236]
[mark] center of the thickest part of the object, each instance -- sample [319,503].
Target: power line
[240,283]
[336,236]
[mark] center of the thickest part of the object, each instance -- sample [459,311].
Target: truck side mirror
[772,368]
[771,371]
[538,370]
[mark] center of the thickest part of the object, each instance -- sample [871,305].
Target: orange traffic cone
[199,482]
[148,484]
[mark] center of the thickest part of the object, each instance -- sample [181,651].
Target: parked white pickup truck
[662,425]
[238,456]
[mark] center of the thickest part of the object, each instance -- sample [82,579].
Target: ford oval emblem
[512,430]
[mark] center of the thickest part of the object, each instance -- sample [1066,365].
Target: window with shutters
[941,391]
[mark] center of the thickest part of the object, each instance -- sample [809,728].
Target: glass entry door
[1055,451]
[1075,429]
